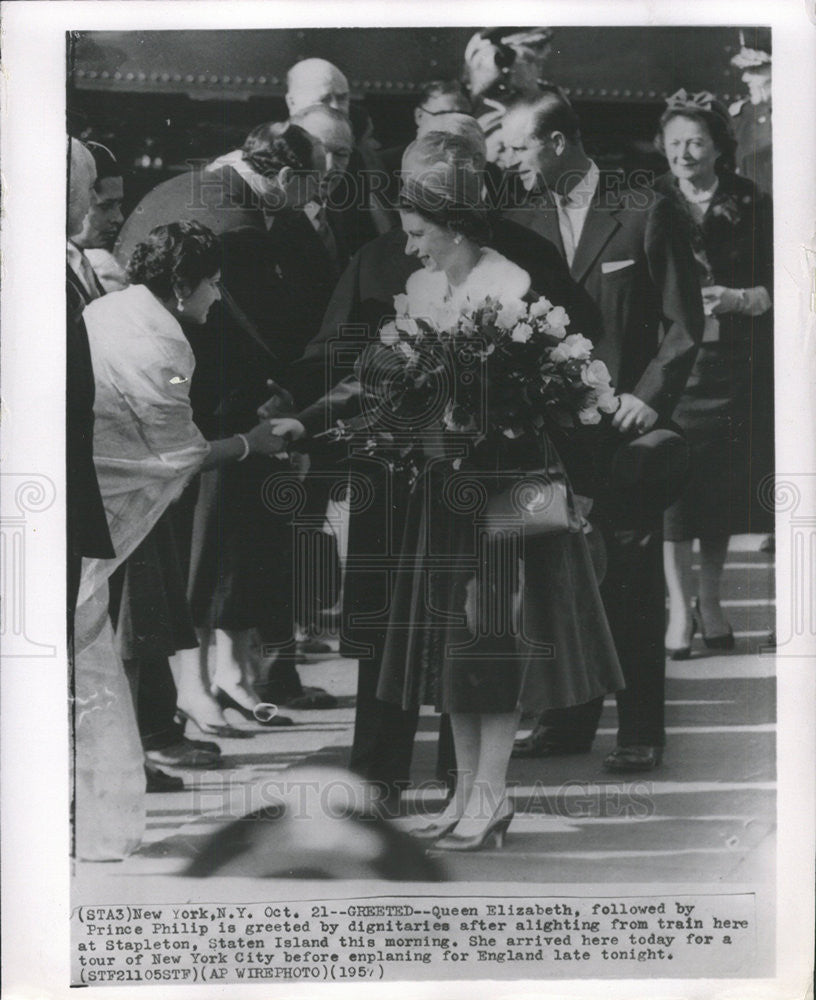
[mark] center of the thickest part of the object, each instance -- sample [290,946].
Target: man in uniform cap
[752,114]
[503,65]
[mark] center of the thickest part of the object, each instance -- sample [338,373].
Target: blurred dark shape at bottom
[317,823]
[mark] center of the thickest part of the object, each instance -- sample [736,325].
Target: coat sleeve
[674,277]
[323,392]
[763,230]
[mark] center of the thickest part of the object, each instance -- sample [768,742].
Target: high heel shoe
[491,836]
[684,652]
[224,730]
[264,713]
[723,641]
[432,831]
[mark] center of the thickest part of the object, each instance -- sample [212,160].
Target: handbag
[537,502]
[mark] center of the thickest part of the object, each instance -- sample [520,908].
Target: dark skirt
[241,560]
[483,625]
[726,412]
[149,600]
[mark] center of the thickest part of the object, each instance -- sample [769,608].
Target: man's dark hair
[552,112]
[438,88]
[106,163]
[274,145]
[181,252]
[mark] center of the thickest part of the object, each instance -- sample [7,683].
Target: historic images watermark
[25,495]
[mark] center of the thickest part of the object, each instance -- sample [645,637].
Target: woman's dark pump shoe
[723,641]
[491,836]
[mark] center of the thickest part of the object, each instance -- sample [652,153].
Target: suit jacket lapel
[542,217]
[600,224]
[79,288]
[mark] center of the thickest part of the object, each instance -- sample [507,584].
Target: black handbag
[536,502]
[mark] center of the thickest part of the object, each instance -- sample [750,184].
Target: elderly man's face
[319,85]
[337,142]
[83,176]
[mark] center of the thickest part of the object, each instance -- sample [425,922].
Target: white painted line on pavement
[720,668]
[761,727]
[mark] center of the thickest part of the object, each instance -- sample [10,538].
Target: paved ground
[706,816]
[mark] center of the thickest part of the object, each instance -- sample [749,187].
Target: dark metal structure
[164,98]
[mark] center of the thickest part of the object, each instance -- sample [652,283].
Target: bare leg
[466,740]
[680,585]
[713,551]
[496,734]
[191,670]
[233,672]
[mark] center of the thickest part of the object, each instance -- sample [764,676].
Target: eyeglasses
[444,111]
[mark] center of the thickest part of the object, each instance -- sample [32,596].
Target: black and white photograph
[437,508]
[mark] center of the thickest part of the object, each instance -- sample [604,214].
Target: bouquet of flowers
[494,368]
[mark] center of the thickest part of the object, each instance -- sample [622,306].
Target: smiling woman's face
[432,244]
[690,150]
[198,302]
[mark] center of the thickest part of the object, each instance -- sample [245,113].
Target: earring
[457,239]
[180,304]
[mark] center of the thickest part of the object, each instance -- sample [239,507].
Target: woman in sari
[146,448]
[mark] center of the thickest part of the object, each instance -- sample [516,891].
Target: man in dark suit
[324,378]
[87,524]
[625,249]
[360,212]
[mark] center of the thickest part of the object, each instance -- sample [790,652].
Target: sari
[146,448]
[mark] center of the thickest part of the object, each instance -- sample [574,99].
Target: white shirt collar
[74,255]
[582,193]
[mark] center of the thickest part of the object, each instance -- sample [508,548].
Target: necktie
[82,268]
[565,225]
[89,278]
[321,225]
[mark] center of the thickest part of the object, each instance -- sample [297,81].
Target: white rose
[558,317]
[578,347]
[401,304]
[608,402]
[467,324]
[560,354]
[510,313]
[559,332]
[522,333]
[446,317]
[389,334]
[589,416]
[540,308]
[407,350]
[407,325]
[596,375]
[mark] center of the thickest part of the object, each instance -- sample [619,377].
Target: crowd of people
[226,357]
